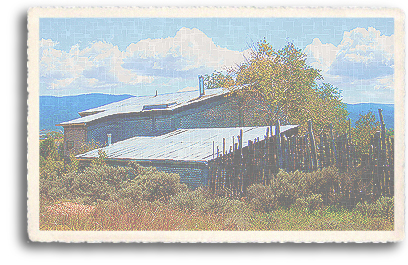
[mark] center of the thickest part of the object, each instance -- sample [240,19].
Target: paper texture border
[35,234]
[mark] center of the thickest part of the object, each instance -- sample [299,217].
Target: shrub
[262,198]
[151,185]
[335,188]
[382,208]
[202,200]
[102,182]
[309,204]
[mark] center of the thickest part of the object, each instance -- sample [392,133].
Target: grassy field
[151,216]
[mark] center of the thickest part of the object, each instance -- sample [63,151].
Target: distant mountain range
[54,110]
[362,108]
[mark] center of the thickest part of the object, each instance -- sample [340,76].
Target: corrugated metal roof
[171,101]
[181,145]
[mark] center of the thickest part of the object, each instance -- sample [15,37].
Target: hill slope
[54,110]
[362,108]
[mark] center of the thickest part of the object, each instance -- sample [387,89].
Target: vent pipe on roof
[109,139]
[201,85]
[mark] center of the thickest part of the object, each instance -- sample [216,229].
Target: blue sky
[139,56]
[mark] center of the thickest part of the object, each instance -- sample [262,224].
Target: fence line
[235,168]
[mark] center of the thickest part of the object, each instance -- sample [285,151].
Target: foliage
[262,198]
[100,160]
[103,197]
[285,189]
[152,184]
[309,204]
[286,88]
[53,163]
[102,182]
[382,208]
[217,80]
[361,134]
[51,146]
[202,200]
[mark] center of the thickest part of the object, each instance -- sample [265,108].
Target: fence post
[334,144]
[383,146]
[240,139]
[349,160]
[278,143]
[223,146]
[312,145]
[213,149]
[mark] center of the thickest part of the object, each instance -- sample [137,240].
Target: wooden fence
[237,167]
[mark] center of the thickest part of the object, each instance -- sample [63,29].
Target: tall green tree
[285,87]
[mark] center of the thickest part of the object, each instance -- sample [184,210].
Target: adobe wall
[220,113]
[120,127]
[75,138]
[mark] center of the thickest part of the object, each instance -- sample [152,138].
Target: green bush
[262,198]
[336,188]
[202,200]
[102,182]
[309,204]
[382,208]
[151,185]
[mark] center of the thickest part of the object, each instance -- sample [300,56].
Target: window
[70,144]
[158,106]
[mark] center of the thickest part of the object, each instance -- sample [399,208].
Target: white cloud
[321,56]
[188,54]
[362,65]
[98,65]
[362,54]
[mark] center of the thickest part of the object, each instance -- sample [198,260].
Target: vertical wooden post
[223,146]
[383,146]
[213,149]
[349,145]
[240,139]
[241,120]
[278,143]
[312,144]
[307,154]
[333,145]
[377,142]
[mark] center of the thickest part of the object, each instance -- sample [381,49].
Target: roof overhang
[152,162]
[72,124]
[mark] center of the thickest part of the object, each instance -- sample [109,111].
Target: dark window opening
[70,144]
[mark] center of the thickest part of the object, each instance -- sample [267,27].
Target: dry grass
[148,216]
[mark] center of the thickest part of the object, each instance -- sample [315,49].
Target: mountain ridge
[54,110]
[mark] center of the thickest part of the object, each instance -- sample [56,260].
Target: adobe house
[153,116]
[176,132]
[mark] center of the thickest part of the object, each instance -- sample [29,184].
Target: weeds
[101,197]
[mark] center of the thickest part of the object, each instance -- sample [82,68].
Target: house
[177,132]
[152,116]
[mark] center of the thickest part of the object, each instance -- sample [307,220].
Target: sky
[140,56]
